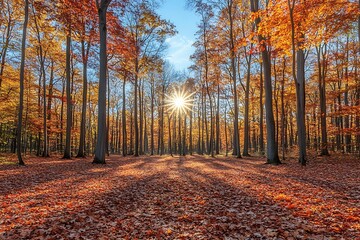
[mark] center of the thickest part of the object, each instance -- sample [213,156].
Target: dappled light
[175,197]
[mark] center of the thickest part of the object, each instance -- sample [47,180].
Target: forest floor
[192,197]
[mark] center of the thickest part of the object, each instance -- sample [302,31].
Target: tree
[100,148]
[22,76]
[272,146]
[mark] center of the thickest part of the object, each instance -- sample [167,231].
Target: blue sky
[185,20]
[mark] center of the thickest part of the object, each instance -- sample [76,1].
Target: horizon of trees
[268,77]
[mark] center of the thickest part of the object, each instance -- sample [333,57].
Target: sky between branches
[180,45]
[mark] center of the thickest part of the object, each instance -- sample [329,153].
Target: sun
[179,102]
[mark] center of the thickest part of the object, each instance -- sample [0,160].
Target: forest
[270,82]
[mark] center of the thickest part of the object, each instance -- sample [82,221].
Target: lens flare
[179,102]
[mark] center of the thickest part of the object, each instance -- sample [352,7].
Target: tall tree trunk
[67,151]
[100,148]
[247,105]
[322,92]
[85,54]
[300,117]
[152,144]
[124,136]
[217,145]
[298,68]
[184,137]
[283,117]
[261,118]
[346,100]
[22,74]
[170,147]
[136,126]
[236,142]
[226,135]
[190,133]
[108,117]
[141,117]
[272,147]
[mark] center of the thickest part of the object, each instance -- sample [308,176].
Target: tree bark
[67,151]
[85,54]
[22,77]
[100,149]
[124,136]
[322,94]
[234,79]
[272,147]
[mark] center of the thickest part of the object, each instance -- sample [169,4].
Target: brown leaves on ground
[189,197]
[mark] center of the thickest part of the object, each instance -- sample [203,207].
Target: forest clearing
[192,197]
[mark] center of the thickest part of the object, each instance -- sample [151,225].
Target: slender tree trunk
[82,147]
[298,67]
[346,101]
[261,119]
[217,146]
[108,117]
[202,124]
[190,134]
[152,140]
[226,135]
[67,151]
[184,137]
[247,106]
[170,147]
[124,136]
[136,128]
[283,118]
[140,118]
[22,77]
[131,133]
[236,142]
[322,94]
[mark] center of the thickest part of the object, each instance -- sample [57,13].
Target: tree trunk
[152,143]
[322,93]
[217,145]
[124,136]
[190,134]
[82,147]
[247,104]
[170,147]
[298,69]
[300,104]
[283,117]
[67,151]
[261,119]
[100,148]
[136,126]
[272,147]
[22,77]
[233,69]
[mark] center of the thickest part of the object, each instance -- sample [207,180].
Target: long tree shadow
[163,198]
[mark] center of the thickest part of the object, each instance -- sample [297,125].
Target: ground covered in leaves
[192,197]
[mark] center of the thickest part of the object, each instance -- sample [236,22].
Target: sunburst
[179,101]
